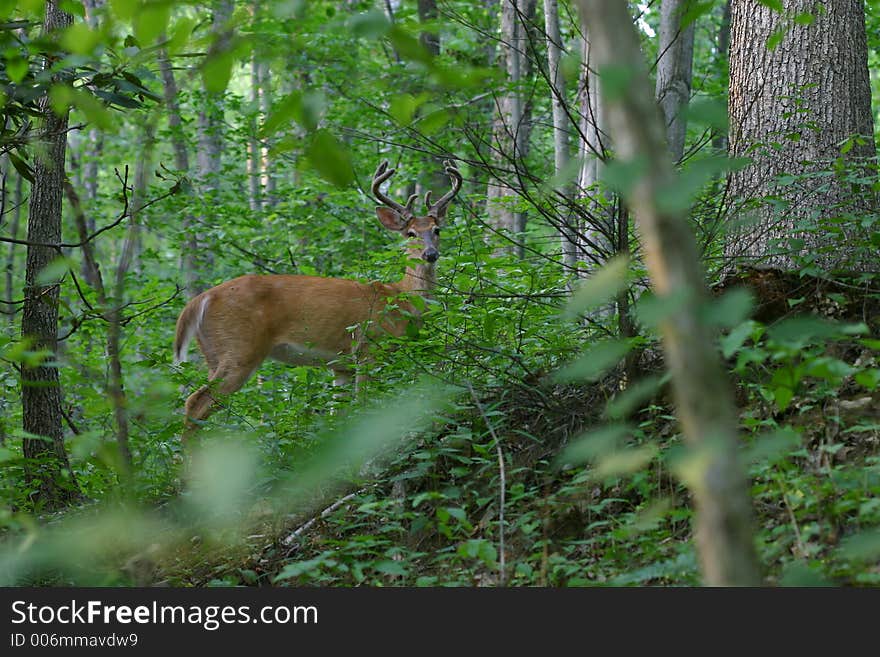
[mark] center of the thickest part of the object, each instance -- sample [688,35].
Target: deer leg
[222,382]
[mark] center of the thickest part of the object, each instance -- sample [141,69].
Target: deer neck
[420,276]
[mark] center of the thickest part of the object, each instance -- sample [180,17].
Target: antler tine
[428,201]
[410,201]
[382,174]
[440,206]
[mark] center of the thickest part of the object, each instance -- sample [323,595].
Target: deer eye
[436,231]
[411,233]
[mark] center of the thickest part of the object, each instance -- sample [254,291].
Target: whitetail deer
[309,320]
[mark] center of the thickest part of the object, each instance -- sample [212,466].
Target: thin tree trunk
[253,144]
[675,72]
[14,223]
[267,179]
[512,119]
[722,56]
[46,465]
[181,163]
[209,154]
[704,403]
[595,232]
[561,146]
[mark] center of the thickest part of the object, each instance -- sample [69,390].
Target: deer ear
[391,219]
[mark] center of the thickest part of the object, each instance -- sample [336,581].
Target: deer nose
[431,255]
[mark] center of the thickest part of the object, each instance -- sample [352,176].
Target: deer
[310,320]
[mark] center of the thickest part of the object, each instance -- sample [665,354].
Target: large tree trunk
[675,72]
[47,468]
[512,122]
[791,108]
[703,401]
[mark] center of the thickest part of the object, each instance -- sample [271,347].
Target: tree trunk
[561,125]
[9,291]
[209,129]
[722,64]
[596,232]
[181,163]
[47,468]
[253,144]
[512,123]
[703,401]
[791,108]
[267,179]
[674,72]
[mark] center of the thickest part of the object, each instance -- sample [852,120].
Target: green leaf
[16,69]
[730,310]
[783,396]
[603,284]
[773,446]
[389,567]
[217,70]
[869,379]
[53,272]
[800,330]
[403,107]
[73,7]
[180,35]
[24,169]
[594,362]
[863,546]
[150,20]
[615,80]
[733,341]
[775,5]
[330,158]
[636,393]
[594,444]
[372,24]
[80,39]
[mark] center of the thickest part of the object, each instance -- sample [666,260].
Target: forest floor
[432,516]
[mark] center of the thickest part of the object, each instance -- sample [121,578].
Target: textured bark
[703,402]
[791,107]
[512,124]
[47,467]
[675,72]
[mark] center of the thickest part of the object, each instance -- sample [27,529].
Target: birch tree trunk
[675,72]
[46,465]
[254,158]
[267,178]
[512,123]
[595,232]
[561,124]
[181,163]
[791,108]
[209,154]
[704,403]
